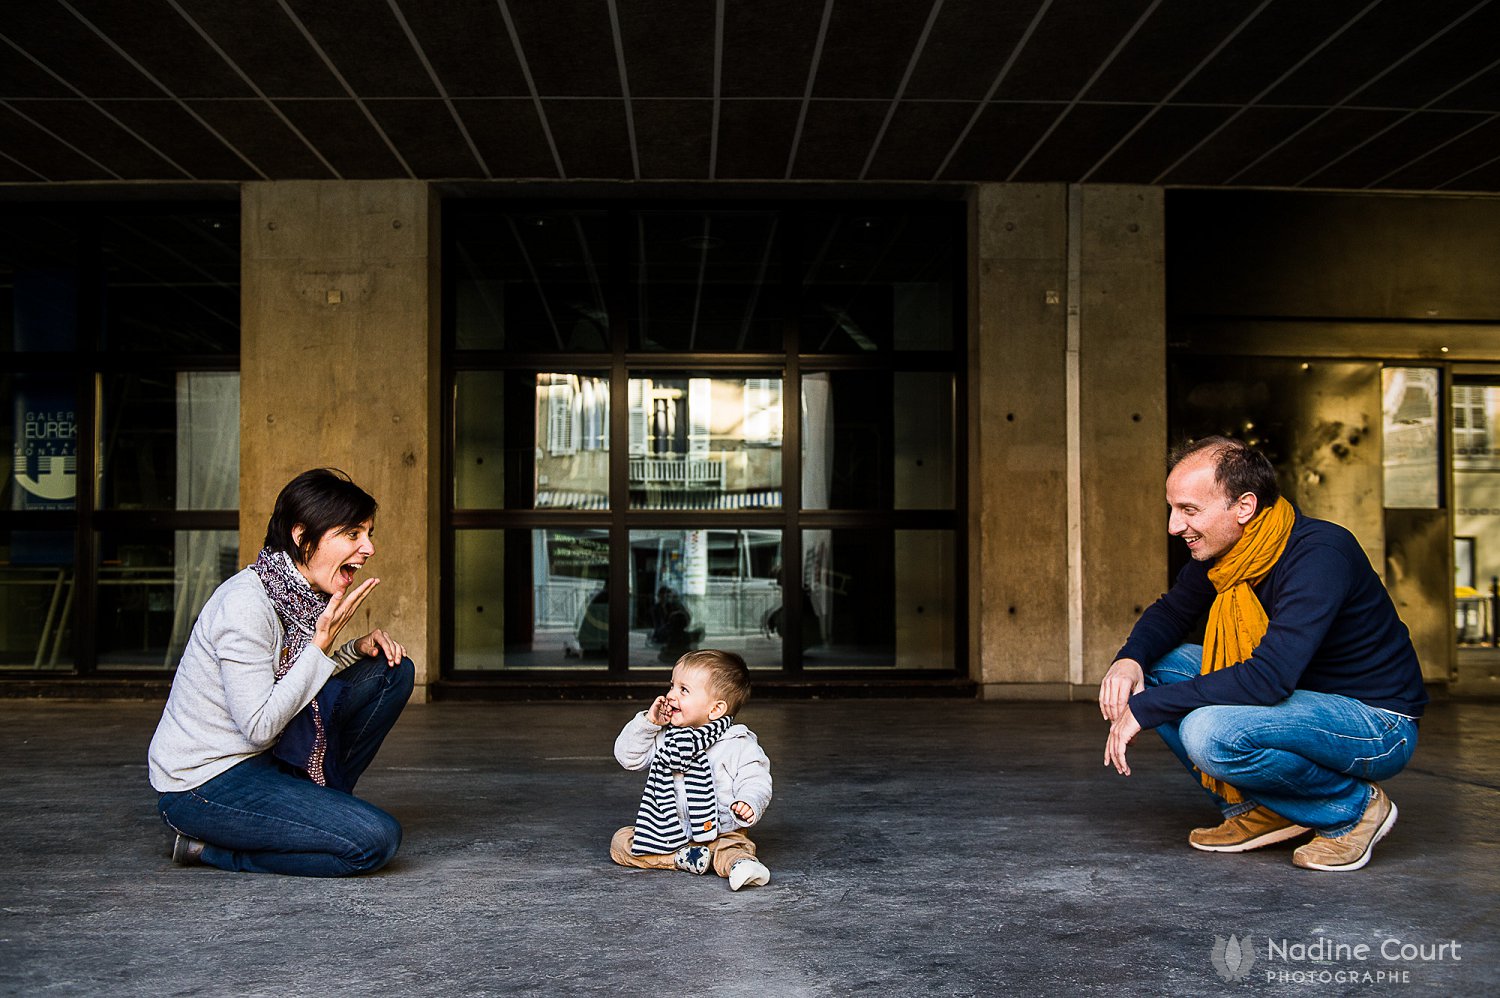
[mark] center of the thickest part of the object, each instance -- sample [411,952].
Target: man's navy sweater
[1333,629]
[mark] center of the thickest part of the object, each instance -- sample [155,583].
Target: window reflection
[705,442]
[701,282]
[880,600]
[528,599]
[878,440]
[530,281]
[572,442]
[151,587]
[36,598]
[171,440]
[705,588]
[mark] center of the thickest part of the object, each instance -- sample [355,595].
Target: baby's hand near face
[743,811]
[659,713]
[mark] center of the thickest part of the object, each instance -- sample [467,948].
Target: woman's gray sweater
[226,705]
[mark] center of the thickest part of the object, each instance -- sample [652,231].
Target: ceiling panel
[90,129]
[365,43]
[42,154]
[345,137]
[1269,46]
[768,47]
[1159,139]
[1363,52]
[266,46]
[683,69]
[1311,149]
[1000,137]
[170,128]
[1241,139]
[861,63]
[59,41]
[918,137]
[166,46]
[592,138]
[1069,45]
[254,127]
[755,138]
[836,138]
[570,48]
[673,137]
[969,45]
[1446,162]
[1082,137]
[478,60]
[428,137]
[1149,84]
[1404,139]
[508,134]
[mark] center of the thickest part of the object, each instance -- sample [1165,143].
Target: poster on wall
[44,463]
[1410,440]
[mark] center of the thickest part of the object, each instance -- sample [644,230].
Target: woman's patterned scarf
[658,826]
[298,606]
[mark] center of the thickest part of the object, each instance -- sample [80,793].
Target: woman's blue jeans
[265,817]
[1310,758]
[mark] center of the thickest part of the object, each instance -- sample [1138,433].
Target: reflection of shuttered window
[763,409]
[1470,421]
[700,403]
[561,420]
[640,415]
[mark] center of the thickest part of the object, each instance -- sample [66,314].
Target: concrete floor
[917,847]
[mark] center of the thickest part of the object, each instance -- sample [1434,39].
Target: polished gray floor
[918,847]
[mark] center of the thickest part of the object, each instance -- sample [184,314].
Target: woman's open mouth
[347,573]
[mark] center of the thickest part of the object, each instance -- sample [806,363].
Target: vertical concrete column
[1017,443]
[340,367]
[1121,417]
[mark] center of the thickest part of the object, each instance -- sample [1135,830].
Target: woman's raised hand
[379,641]
[340,610]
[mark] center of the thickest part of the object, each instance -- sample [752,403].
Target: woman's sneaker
[748,873]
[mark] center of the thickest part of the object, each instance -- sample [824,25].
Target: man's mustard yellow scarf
[1237,622]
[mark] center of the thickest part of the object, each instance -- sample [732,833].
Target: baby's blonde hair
[728,676]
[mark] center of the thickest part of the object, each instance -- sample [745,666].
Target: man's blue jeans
[1309,758]
[264,817]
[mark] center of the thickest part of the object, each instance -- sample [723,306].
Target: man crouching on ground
[1306,689]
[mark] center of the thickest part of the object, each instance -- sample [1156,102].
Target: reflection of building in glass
[1476,509]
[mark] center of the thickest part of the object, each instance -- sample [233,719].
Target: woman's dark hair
[322,499]
[1238,468]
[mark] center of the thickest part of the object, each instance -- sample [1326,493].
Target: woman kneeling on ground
[269,724]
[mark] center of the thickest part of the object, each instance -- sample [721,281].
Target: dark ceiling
[1390,94]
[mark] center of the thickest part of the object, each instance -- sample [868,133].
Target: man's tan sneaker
[1243,832]
[1351,850]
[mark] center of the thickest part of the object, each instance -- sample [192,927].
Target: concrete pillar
[340,367]
[1122,415]
[1018,443]
[1069,431]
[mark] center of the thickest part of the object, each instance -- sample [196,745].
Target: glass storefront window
[878,440]
[662,454]
[701,282]
[36,599]
[171,440]
[151,586]
[39,285]
[876,282]
[701,442]
[875,599]
[38,441]
[705,588]
[528,599]
[531,441]
[530,281]
[172,283]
